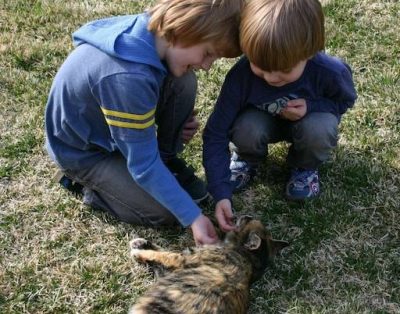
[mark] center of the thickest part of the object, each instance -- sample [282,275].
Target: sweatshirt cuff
[223,191]
[189,218]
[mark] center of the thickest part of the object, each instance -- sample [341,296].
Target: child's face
[280,78]
[182,59]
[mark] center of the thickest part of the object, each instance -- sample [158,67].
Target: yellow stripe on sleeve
[130,125]
[118,114]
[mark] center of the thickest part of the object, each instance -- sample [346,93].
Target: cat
[210,279]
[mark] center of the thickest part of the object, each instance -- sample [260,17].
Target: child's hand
[223,212]
[203,231]
[295,109]
[190,128]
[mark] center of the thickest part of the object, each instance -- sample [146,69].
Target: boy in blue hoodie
[121,107]
[285,89]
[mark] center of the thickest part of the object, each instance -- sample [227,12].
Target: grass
[58,256]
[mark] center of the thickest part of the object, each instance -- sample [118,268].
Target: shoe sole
[58,176]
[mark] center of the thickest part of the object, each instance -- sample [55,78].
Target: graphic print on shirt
[276,106]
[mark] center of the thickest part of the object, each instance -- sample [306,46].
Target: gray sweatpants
[108,184]
[313,137]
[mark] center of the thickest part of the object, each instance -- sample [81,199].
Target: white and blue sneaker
[241,173]
[302,185]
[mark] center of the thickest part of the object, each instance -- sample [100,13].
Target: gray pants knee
[108,184]
[313,137]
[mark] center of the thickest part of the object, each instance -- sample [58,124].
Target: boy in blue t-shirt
[121,107]
[284,89]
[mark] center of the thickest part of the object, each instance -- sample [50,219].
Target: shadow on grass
[358,205]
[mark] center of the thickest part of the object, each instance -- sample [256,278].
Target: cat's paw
[139,244]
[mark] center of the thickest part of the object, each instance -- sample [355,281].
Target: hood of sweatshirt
[123,37]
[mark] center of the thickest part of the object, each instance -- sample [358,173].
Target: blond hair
[192,22]
[277,34]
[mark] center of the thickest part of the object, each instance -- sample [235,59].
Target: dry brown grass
[57,256]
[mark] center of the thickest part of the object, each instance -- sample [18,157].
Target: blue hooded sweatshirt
[103,99]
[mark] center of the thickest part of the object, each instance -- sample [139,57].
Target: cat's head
[252,238]
[253,235]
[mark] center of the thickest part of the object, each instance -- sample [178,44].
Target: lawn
[58,256]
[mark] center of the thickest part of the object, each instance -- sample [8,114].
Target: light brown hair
[193,22]
[277,34]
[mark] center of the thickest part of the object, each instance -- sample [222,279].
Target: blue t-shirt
[103,99]
[326,84]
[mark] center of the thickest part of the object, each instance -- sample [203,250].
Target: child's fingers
[224,222]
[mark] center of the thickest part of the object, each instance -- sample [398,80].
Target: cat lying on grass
[209,279]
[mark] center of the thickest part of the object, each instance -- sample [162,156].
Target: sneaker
[241,173]
[72,186]
[187,179]
[302,185]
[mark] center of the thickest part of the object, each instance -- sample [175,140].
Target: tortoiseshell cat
[209,279]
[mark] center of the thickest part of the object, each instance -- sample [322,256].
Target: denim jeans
[312,138]
[108,184]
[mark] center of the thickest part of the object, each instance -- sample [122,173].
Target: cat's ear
[276,246]
[243,220]
[253,241]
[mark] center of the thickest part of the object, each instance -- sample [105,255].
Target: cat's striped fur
[210,279]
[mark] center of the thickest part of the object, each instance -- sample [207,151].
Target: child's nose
[271,77]
[207,63]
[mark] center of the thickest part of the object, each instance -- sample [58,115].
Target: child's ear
[253,241]
[276,246]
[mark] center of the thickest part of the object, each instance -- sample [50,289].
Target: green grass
[58,256]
